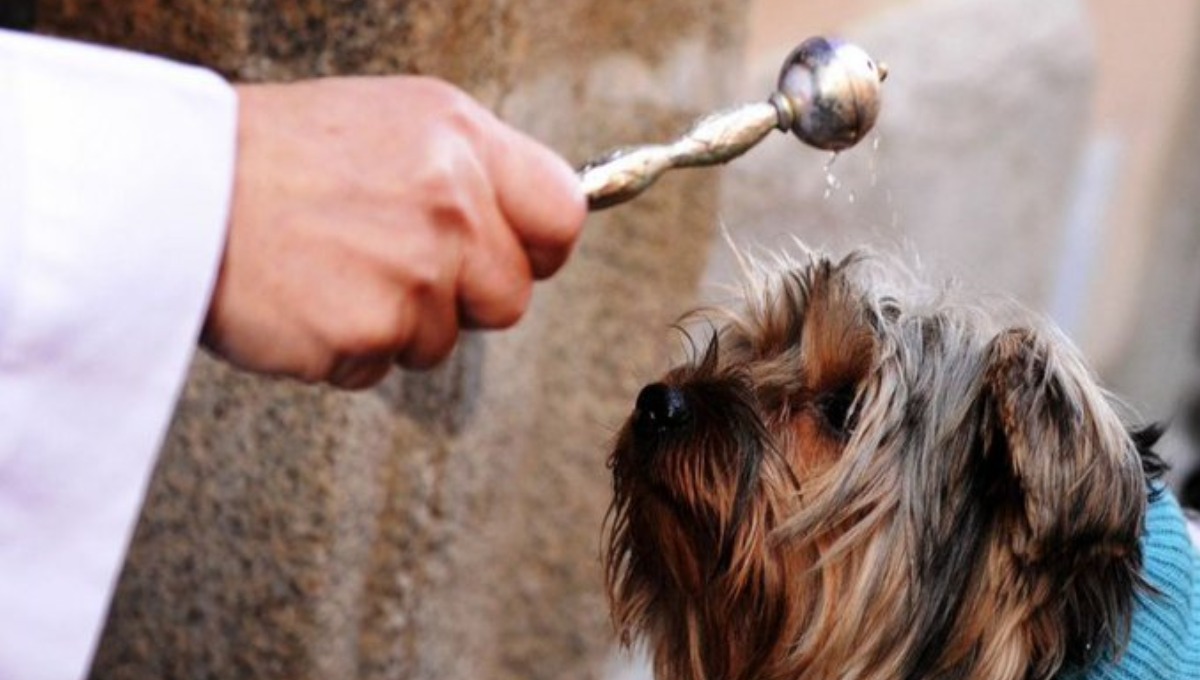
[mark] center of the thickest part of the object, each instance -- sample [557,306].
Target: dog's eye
[835,405]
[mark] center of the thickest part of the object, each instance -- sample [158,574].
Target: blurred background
[1043,150]
[446,525]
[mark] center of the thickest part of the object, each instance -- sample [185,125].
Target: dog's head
[848,482]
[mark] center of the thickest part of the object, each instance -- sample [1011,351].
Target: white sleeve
[116,174]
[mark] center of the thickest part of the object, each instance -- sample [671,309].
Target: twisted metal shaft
[717,138]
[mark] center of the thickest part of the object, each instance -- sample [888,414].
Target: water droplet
[873,160]
[851,197]
[887,197]
[832,183]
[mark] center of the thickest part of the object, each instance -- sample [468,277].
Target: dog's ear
[1068,491]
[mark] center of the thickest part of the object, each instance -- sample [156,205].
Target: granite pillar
[442,525]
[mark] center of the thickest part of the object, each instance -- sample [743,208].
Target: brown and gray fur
[872,483]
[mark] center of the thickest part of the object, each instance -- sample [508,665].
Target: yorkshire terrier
[855,482]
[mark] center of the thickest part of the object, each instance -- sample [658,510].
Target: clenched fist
[372,219]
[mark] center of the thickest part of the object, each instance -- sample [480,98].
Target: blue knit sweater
[1165,639]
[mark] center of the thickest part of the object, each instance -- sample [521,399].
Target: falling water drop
[874,160]
[832,183]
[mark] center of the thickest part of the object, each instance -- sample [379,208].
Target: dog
[859,478]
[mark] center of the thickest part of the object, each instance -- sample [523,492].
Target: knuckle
[451,184]
[432,350]
[444,345]
[317,363]
[365,340]
[548,260]
[379,329]
[514,305]
[451,210]
[424,279]
[358,373]
[399,324]
[549,250]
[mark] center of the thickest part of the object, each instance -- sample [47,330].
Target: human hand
[372,219]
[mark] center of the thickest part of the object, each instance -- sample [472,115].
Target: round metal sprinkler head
[828,93]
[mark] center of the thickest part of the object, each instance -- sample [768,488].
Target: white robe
[116,175]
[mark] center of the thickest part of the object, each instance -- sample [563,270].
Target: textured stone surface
[972,163]
[443,525]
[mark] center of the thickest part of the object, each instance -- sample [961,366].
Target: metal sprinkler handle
[828,96]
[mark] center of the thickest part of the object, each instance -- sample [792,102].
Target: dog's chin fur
[875,485]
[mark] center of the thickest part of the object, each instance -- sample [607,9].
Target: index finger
[539,194]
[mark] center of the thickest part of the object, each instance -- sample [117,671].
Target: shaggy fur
[865,483]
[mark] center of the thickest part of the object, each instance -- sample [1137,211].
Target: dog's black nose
[660,409]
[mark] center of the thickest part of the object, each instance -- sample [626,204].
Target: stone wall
[443,525]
